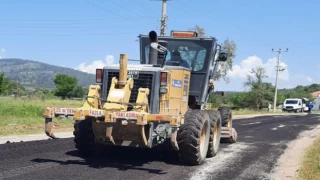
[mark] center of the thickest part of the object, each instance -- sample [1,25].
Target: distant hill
[34,74]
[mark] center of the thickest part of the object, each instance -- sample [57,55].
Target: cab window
[190,52]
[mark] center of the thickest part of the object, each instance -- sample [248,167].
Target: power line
[128,8]
[164,17]
[111,10]
[276,85]
[74,20]
[102,8]
[73,27]
[51,34]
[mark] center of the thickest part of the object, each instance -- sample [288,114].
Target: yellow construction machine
[160,101]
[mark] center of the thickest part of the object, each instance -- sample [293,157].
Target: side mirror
[223,56]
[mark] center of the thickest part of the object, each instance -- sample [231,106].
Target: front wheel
[84,136]
[193,137]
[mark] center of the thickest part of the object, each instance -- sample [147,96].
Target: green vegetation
[66,86]
[310,168]
[22,113]
[24,116]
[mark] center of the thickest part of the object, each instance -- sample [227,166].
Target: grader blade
[49,127]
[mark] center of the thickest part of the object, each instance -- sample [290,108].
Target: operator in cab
[176,58]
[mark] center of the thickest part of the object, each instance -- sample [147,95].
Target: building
[316,102]
[315,94]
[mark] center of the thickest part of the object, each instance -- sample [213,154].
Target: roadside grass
[24,116]
[310,168]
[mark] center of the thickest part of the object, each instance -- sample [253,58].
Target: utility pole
[276,86]
[164,17]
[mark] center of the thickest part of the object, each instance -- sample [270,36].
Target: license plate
[133,74]
[126,115]
[68,111]
[96,112]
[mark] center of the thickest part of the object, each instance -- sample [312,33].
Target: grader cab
[160,101]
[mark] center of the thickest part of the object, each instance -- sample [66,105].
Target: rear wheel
[84,137]
[226,116]
[215,132]
[193,137]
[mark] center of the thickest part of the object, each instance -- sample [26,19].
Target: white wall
[316,104]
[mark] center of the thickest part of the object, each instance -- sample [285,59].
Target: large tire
[84,137]
[193,137]
[226,115]
[215,132]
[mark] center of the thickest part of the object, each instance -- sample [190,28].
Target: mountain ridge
[34,74]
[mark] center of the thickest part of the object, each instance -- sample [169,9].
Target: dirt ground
[287,166]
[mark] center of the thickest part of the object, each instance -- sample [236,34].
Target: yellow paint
[118,95]
[175,102]
[142,100]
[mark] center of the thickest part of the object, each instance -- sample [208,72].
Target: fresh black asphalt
[261,141]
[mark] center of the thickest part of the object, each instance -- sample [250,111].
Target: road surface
[261,141]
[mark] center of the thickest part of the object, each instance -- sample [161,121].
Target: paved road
[261,141]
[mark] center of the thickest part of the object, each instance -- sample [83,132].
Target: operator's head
[211,82]
[176,53]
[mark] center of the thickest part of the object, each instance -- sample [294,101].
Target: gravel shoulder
[287,166]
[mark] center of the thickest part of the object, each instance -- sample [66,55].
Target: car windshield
[291,102]
[191,52]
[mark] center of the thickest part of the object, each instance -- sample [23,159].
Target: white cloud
[2,52]
[91,68]
[304,78]
[309,79]
[242,70]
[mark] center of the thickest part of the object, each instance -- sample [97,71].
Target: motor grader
[160,101]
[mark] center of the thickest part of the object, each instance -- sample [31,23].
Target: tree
[64,85]
[229,46]
[201,32]
[239,100]
[78,92]
[4,84]
[261,92]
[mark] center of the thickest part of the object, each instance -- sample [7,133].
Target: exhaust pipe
[158,50]
[153,53]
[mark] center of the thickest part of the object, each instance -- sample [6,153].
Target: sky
[88,34]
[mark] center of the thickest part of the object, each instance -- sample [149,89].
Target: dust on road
[261,141]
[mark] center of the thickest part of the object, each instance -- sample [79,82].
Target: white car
[295,105]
